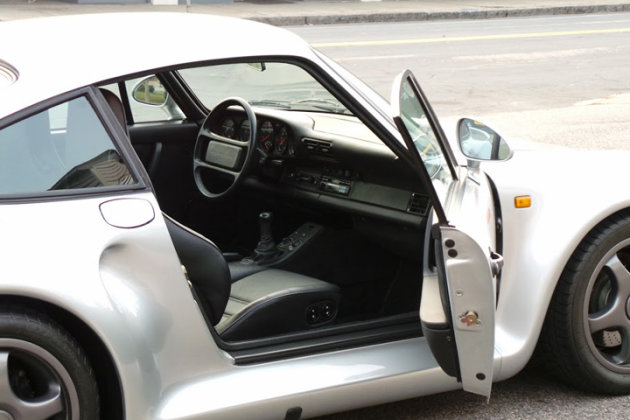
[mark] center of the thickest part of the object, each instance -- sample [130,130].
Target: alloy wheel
[34,384]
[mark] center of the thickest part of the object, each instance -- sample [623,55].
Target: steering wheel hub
[219,157]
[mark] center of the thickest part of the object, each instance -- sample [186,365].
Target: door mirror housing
[478,142]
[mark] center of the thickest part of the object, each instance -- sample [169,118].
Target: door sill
[336,337]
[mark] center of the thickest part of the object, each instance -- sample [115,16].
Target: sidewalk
[313,12]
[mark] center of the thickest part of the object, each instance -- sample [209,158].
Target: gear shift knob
[266,247]
[266,235]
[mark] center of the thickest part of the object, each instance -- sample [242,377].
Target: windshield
[273,85]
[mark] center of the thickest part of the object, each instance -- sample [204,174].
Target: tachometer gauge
[282,141]
[265,138]
[228,128]
[244,131]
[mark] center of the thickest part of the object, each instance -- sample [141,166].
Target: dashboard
[333,160]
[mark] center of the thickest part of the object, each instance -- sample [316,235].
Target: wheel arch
[109,385]
[547,339]
[535,261]
[597,225]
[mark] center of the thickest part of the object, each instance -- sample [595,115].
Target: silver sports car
[205,218]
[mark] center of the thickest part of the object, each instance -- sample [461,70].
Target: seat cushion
[239,270]
[274,302]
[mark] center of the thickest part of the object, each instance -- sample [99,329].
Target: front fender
[571,193]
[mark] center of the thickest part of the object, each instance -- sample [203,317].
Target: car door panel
[458,300]
[472,306]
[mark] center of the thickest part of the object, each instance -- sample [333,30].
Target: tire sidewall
[45,333]
[600,376]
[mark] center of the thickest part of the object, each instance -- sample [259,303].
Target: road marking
[539,55]
[467,38]
[617,99]
[376,57]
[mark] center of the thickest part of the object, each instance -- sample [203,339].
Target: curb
[432,16]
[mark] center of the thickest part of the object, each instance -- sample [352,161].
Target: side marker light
[522,202]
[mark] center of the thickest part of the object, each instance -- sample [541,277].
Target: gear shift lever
[266,247]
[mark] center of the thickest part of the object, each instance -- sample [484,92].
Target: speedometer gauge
[265,137]
[244,131]
[228,128]
[282,141]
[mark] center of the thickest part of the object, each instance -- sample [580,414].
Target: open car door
[461,266]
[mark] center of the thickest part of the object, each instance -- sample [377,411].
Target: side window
[63,148]
[149,100]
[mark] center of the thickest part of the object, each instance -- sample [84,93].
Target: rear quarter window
[65,147]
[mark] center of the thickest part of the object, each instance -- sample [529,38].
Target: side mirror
[150,91]
[479,142]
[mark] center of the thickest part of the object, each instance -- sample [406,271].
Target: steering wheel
[221,162]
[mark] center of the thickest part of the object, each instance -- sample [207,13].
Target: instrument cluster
[273,137]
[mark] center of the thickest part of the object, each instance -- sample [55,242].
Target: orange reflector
[522,202]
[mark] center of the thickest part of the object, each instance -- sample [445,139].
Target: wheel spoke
[6,393]
[623,357]
[45,406]
[621,275]
[210,166]
[611,317]
[42,407]
[211,136]
[614,314]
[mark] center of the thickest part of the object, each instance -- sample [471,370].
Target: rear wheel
[586,337]
[44,374]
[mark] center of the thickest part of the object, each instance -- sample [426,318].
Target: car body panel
[538,241]
[114,283]
[320,384]
[471,281]
[170,365]
[107,35]
[465,242]
[123,279]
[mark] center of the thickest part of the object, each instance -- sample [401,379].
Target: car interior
[298,228]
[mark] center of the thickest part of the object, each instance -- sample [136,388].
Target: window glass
[273,85]
[64,147]
[158,105]
[423,137]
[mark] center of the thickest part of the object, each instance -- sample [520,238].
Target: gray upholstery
[262,304]
[272,302]
[238,270]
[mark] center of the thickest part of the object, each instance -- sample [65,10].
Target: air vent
[418,204]
[8,74]
[320,146]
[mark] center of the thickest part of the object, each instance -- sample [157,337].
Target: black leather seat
[266,303]
[262,302]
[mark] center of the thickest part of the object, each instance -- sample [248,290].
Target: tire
[586,336]
[41,362]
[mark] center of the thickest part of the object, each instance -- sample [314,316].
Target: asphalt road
[559,80]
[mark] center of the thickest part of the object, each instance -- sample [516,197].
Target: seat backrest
[116,106]
[207,269]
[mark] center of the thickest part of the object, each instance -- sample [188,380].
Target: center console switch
[283,251]
[298,238]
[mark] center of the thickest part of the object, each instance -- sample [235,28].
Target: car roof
[58,54]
